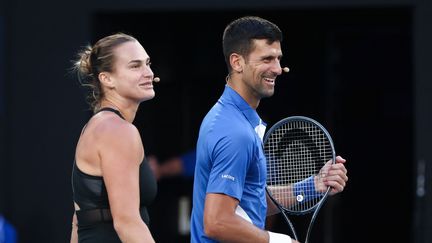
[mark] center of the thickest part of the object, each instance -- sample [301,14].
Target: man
[229,201]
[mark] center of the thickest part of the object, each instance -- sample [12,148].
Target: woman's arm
[121,153]
[74,232]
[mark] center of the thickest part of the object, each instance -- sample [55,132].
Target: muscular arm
[333,175]
[272,209]
[223,224]
[281,194]
[121,153]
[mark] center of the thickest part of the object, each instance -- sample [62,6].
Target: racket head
[296,148]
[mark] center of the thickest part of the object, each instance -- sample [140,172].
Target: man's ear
[237,62]
[105,79]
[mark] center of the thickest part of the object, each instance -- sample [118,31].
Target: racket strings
[296,153]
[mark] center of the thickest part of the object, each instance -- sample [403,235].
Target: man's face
[262,66]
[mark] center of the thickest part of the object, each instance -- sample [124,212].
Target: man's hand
[333,175]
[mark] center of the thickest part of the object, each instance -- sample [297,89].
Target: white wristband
[278,238]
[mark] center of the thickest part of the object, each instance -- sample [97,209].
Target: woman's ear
[105,79]
[236,62]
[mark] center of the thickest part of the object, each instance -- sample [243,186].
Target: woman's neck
[127,111]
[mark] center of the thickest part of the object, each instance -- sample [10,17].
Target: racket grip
[304,190]
[278,238]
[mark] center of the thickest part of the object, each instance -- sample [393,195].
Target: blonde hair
[92,60]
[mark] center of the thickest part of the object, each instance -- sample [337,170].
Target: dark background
[362,69]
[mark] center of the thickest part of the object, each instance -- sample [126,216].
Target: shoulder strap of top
[112,110]
[104,109]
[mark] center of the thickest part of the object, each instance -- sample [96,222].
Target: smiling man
[230,201]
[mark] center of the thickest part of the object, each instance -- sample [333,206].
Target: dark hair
[239,35]
[93,60]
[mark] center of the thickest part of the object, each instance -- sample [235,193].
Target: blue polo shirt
[230,160]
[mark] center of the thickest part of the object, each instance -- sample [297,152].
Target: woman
[111,180]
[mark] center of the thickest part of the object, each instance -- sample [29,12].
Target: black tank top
[89,191]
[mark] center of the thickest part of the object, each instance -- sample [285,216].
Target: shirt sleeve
[231,158]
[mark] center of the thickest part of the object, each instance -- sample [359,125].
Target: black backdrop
[351,69]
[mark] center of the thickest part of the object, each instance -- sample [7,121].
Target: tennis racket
[299,151]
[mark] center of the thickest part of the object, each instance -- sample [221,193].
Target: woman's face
[132,76]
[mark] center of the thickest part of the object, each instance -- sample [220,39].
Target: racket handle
[278,238]
[304,190]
